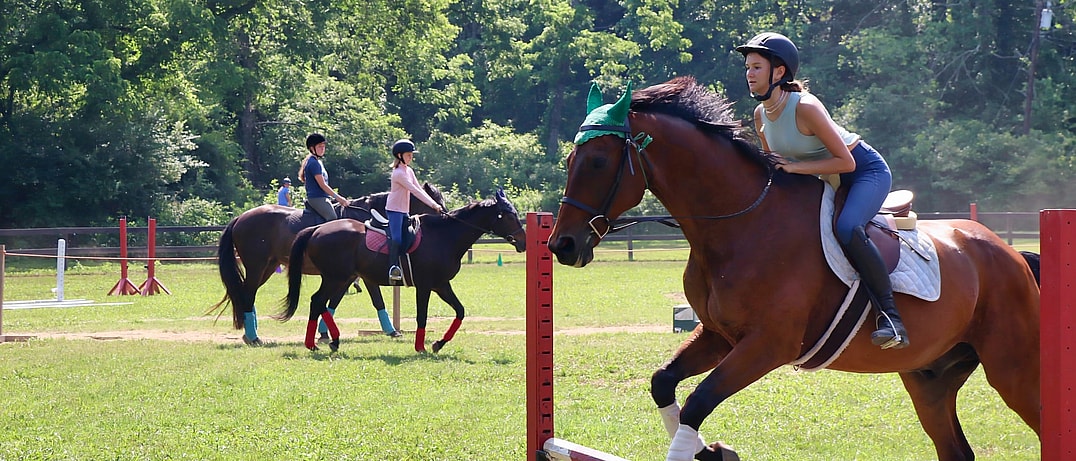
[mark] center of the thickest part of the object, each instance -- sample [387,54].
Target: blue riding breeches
[396,223]
[868,187]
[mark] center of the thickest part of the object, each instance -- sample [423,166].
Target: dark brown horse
[262,237]
[758,279]
[337,250]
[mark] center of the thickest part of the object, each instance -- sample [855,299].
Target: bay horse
[338,251]
[757,276]
[262,237]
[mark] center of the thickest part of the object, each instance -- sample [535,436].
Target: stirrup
[887,338]
[395,274]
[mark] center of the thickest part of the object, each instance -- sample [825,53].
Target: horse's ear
[619,111]
[594,99]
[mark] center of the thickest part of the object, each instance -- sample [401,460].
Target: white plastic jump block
[563,450]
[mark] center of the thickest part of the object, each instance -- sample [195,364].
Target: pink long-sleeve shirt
[403,185]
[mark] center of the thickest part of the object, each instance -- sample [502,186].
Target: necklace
[776,106]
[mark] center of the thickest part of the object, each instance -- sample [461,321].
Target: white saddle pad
[914,275]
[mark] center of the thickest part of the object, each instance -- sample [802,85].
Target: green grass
[376,399]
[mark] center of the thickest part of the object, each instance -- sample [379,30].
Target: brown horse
[338,251]
[262,237]
[758,279]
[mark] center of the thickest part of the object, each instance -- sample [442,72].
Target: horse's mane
[685,98]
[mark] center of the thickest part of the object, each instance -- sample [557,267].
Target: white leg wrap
[685,444]
[670,415]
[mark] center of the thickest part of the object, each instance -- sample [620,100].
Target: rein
[639,143]
[510,237]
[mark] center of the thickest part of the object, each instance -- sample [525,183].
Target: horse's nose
[562,245]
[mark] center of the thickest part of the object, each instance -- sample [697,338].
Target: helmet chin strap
[769,92]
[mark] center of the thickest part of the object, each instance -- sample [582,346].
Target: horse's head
[435,194]
[605,179]
[507,223]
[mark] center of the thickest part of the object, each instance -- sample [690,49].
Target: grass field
[188,389]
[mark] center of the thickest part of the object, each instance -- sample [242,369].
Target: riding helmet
[287,181]
[402,146]
[774,45]
[314,139]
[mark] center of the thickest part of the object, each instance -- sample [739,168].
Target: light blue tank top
[783,137]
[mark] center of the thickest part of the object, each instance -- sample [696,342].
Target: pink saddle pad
[379,243]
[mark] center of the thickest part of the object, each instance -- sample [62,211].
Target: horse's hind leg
[258,276]
[328,320]
[328,291]
[934,393]
[449,297]
[323,327]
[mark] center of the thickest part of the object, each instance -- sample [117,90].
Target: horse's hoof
[252,342]
[438,345]
[313,348]
[394,334]
[718,451]
[334,345]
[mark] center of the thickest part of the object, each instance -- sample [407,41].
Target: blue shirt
[314,168]
[282,195]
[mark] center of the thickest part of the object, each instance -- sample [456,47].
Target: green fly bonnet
[606,119]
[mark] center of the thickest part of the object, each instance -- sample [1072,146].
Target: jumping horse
[338,250]
[262,237]
[757,277]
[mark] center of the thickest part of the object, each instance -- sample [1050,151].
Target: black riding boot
[395,274]
[868,261]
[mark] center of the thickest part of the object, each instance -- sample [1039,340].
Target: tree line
[194,110]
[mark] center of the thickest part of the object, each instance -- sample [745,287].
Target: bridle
[639,143]
[510,237]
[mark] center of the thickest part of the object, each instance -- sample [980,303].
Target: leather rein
[638,143]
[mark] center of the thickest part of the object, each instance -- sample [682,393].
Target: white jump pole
[61,264]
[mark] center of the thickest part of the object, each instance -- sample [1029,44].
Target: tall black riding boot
[868,261]
[395,274]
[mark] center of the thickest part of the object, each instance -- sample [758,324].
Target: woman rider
[793,123]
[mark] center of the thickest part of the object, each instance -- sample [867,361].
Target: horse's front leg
[748,361]
[449,296]
[422,305]
[382,314]
[699,353]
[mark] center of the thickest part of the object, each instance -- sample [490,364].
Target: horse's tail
[1032,260]
[295,273]
[231,276]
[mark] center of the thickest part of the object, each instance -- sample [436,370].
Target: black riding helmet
[402,146]
[314,139]
[780,51]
